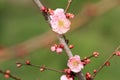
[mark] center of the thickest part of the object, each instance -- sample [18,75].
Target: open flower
[75,64]
[64,77]
[59,23]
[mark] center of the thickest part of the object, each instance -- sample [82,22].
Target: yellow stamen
[75,63]
[60,23]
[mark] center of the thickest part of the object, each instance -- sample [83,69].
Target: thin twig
[91,56]
[68,5]
[10,75]
[44,67]
[103,65]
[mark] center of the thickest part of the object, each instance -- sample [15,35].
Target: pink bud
[107,63]
[51,12]
[7,71]
[88,76]
[67,71]
[27,62]
[95,54]
[87,61]
[53,48]
[18,65]
[6,75]
[69,15]
[71,46]
[117,53]
[44,9]
[42,69]
[61,46]
[59,50]
[94,71]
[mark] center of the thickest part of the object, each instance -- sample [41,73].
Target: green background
[21,20]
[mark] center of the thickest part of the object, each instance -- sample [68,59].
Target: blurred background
[25,35]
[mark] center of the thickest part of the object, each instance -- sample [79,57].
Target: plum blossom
[64,77]
[75,64]
[59,23]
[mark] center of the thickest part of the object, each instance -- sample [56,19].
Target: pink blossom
[75,64]
[59,23]
[64,77]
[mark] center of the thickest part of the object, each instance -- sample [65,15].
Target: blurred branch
[88,11]
[62,38]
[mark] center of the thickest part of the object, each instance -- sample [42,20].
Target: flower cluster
[57,48]
[69,75]
[87,60]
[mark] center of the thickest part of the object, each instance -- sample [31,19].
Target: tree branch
[67,50]
[62,39]
[38,3]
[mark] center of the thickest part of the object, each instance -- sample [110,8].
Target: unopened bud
[107,63]
[95,54]
[71,46]
[7,76]
[27,62]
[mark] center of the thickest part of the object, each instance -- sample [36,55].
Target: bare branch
[68,5]
[38,3]
[104,64]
